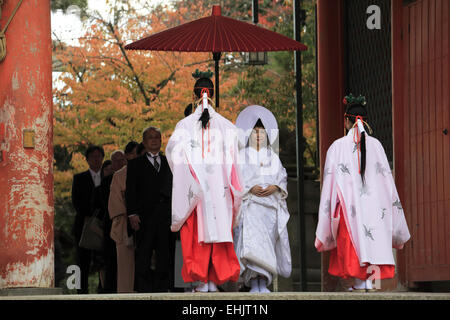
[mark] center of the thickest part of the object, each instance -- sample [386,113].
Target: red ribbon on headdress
[357,134]
[203,91]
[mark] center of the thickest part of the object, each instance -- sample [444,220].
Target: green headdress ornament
[202,74]
[350,100]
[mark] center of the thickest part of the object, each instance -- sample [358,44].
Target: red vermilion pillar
[26,177]
[330,90]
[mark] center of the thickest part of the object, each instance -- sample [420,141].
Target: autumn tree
[111,94]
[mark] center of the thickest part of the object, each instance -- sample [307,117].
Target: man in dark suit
[85,203]
[148,199]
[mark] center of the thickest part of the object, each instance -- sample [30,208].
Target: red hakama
[344,262]
[216,262]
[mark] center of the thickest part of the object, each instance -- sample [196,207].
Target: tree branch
[80,78]
[130,65]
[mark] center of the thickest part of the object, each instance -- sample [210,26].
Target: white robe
[372,212]
[205,175]
[261,237]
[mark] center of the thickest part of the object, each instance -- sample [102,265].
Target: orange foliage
[111,95]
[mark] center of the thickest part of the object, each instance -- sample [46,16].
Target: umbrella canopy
[217,33]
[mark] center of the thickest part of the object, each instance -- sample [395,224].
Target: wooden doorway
[425,162]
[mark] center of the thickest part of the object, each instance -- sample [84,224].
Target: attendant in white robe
[360,215]
[261,237]
[202,153]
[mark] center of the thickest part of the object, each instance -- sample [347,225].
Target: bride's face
[258,137]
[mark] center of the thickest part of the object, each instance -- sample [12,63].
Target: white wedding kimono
[261,237]
[372,211]
[205,175]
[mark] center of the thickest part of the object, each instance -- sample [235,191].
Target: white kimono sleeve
[186,191]
[234,172]
[236,181]
[326,232]
[400,232]
[282,180]
[282,247]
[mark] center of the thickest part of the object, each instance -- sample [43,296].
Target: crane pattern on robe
[225,189]
[353,211]
[327,208]
[190,194]
[397,204]
[214,211]
[379,169]
[344,168]
[368,232]
[383,212]
[355,147]
[194,144]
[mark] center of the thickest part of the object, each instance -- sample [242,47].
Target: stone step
[30,291]
[312,286]
[245,296]
[293,282]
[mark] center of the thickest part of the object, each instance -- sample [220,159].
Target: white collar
[149,154]
[263,153]
[350,132]
[261,150]
[93,173]
[199,110]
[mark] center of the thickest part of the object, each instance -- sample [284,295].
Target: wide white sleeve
[325,233]
[236,180]
[282,247]
[281,178]
[186,190]
[400,231]
[245,172]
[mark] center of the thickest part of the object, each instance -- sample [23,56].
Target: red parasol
[217,34]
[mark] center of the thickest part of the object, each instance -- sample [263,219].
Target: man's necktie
[155,163]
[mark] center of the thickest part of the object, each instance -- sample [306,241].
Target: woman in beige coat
[119,232]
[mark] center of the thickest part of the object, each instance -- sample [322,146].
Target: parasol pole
[216,56]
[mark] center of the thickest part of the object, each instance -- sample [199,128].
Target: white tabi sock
[359,284]
[263,285]
[254,285]
[203,287]
[212,286]
[369,285]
